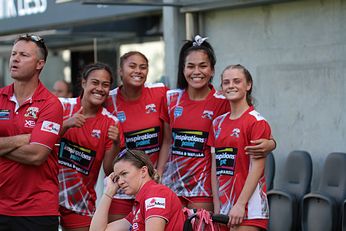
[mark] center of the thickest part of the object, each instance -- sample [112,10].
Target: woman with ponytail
[238,182]
[189,111]
[156,207]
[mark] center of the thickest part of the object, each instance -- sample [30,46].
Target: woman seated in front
[156,207]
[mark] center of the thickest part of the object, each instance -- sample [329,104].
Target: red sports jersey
[28,190]
[188,172]
[81,154]
[229,137]
[140,119]
[156,200]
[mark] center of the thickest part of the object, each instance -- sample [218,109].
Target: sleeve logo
[155,202]
[51,127]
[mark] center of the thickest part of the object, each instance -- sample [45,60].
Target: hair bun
[156,177]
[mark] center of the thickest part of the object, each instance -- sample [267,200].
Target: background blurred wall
[296,53]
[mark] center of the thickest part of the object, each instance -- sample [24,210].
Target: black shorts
[34,223]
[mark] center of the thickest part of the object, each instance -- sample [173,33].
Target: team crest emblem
[31,112]
[178,111]
[96,133]
[150,108]
[121,116]
[236,132]
[208,114]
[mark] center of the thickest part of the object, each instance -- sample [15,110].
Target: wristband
[274,143]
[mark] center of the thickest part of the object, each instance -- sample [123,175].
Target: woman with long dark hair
[90,138]
[239,188]
[188,111]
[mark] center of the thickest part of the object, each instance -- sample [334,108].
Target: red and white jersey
[189,166]
[156,200]
[81,153]
[140,119]
[229,137]
[28,190]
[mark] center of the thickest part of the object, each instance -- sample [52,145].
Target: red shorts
[121,206]
[72,220]
[260,223]
[187,200]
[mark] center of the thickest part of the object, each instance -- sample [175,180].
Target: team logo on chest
[178,111]
[31,112]
[235,132]
[96,133]
[150,108]
[121,116]
[208,114]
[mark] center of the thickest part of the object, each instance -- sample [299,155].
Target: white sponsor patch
[155,202]
[51,127]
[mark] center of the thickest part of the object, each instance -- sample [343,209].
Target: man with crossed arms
[30,121]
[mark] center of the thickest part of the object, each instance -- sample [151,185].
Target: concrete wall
[296,53]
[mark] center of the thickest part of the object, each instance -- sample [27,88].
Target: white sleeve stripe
[114,91]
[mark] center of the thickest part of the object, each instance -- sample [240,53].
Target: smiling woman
[189,111]
[137,105]
[237,181]
[90,136]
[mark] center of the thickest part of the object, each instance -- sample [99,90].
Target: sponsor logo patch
[51,127]
[155,202]
[29,123]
